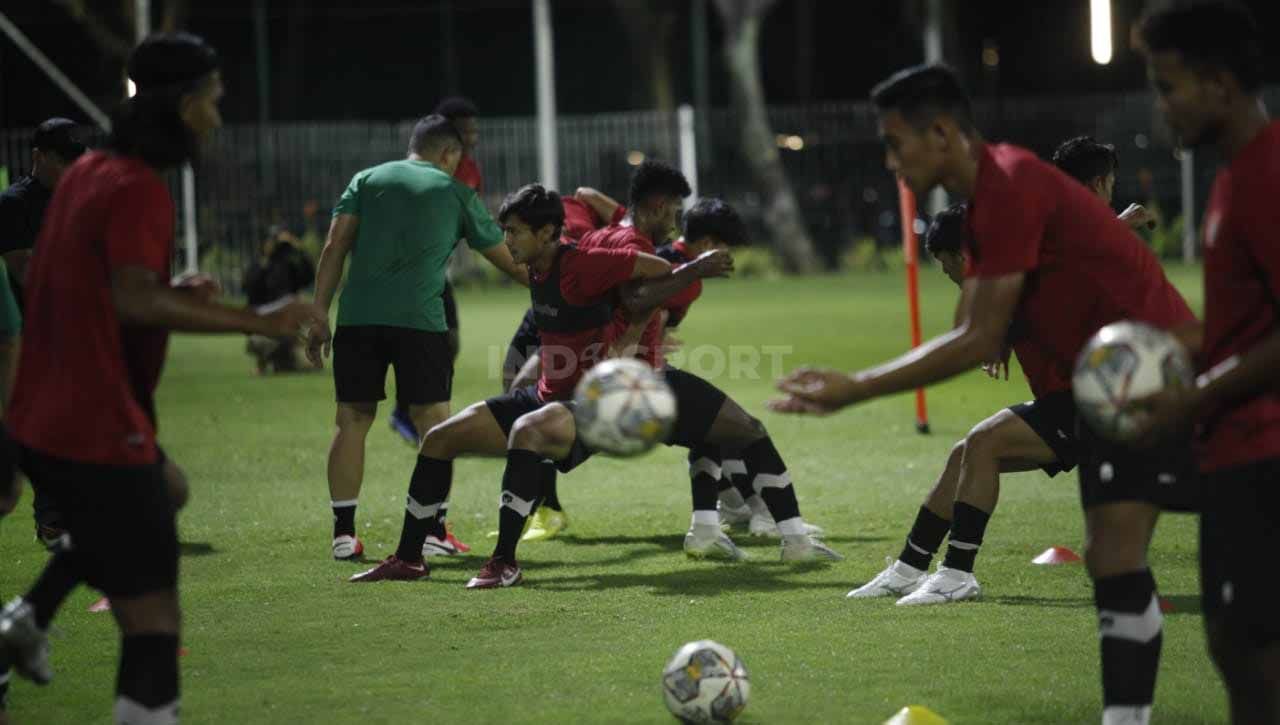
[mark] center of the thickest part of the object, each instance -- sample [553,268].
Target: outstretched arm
[500,257]
[641,296]
[987,307]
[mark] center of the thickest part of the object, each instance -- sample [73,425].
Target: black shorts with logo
[1239,523]
[120,520]
[1111,472]
[1053,418]
[508,407]
[422,362]
[698,402]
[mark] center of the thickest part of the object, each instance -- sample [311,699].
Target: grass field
[276,635]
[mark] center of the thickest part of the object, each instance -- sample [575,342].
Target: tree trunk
[650,26]
[782,214]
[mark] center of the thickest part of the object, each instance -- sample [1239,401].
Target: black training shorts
[121,522]
[422,362]
[1239,523]
[1110,472]
[698,402]
[508,407]
[1053,418]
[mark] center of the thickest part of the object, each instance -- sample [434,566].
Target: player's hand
[201,285]
[289,318]
[1163,416]
[1138,217]
[319,344]
[815,391]
[715,263]
[998,368]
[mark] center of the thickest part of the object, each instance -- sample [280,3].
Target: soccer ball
[705,682]
[1123,362]
[623,407]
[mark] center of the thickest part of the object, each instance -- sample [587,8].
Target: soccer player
[55,145]
[82,416]
[399,222]
[1047,255]
[1039,434]
[463,114]
[1094,165]
[1205,63]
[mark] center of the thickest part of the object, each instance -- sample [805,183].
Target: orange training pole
[910,247]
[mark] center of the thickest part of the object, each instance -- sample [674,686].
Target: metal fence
[290,174]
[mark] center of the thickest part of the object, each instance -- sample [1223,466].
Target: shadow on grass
[196,548]
[675,542]
[710,580]
[1057,603]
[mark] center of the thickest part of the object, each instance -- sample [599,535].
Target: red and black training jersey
[1242,296]
[1083,267]
[624,238]
[677,306]
[575,316]
[86,383]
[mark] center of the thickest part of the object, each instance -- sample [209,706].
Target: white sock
[706,518]
[130,712]
[1127,715]
[793,526]
[731,499]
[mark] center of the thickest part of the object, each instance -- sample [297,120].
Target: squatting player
[1205,63]
[1045,253]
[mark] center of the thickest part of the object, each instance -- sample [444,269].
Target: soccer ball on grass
[705,682]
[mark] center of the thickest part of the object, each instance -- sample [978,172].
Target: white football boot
[738,517]
[764,525]
[943,587]
[347,547]
[706,541]
[897,580]
[803,547]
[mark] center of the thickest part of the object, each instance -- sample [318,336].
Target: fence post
[688,151]
[548,149]
[1188,165]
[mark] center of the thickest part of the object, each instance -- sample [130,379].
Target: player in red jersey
[1046,254]
[1205,63]
[100,308]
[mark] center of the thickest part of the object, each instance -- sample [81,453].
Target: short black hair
[165,67]
[431,133]
[713,217]
[1085,159]
[1218,34]
[922,92]
[536,206]
[653,178]
[455,107]
[62,136]
[946,233]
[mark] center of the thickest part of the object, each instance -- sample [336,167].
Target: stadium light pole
[544,68]
[1100,30]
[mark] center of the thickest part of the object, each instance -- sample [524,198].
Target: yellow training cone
[916,715]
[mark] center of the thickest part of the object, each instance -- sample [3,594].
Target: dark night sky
[385,59]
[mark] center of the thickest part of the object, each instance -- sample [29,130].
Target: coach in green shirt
[399,222]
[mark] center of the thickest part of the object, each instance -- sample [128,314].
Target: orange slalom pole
[910,252]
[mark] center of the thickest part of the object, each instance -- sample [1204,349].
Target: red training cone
[1166,606]
[1056,555]
[183,651]
[102,605]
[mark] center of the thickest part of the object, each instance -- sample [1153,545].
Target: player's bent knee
[355,416]
[548,431]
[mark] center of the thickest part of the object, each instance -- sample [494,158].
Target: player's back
[1084,267]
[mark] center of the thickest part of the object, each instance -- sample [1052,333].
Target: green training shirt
[411,216]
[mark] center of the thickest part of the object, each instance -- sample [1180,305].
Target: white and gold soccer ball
[705,682]
[622,407]
[1124,362]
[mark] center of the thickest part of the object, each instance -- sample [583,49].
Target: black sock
[1131,630]
[344,518]
[967,529]
[520,484]
[550,497]
[148,670]
[428,489]
[59,577]
[926,536]
[768,474]
[704,476]
[4,686]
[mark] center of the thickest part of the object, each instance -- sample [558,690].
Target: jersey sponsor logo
[135,440]
[1106,472]
[547,310]
[1166,478]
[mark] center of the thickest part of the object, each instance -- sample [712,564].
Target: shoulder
[1015,165]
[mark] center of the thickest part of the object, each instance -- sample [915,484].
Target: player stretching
[1046,254]
[1037,434]
[1205,62]
[399,222]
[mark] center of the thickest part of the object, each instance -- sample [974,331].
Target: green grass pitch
[276,635]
